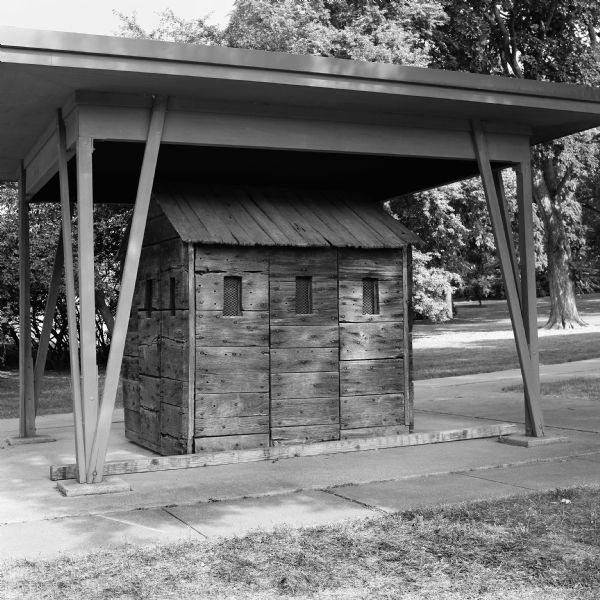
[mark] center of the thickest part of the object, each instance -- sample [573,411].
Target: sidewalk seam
[185,523]
[354,501]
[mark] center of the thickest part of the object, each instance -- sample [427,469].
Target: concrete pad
[423,492]
[531,442]
[546,475]
[80,535]
[109,485]
[37,439]
[238,517]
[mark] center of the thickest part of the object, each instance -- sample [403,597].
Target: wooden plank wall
[371,346]
[155,362]
[304,348]
[232,352]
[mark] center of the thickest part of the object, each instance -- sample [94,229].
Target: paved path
[35,521]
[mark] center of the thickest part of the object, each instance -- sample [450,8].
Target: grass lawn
[480,340]
[544,546]
[581,388]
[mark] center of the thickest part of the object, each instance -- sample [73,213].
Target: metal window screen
[303,295]
[232,296]
[370,296]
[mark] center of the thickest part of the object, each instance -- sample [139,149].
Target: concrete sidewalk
[35,521]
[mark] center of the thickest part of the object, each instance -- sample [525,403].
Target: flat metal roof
[40,70]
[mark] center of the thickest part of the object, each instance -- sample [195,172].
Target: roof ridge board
[162,51]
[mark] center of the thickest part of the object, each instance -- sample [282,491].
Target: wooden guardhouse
[297,329]
[268,172]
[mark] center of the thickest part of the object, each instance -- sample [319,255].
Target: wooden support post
[44,345]
[67,240]
[192,346]
[87,304]
[505,214]
[528,287]
[527,369]
[26,396]
[132,259]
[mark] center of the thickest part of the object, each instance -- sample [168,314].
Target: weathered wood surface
[304,336]
[371,411]
[173,420]
[249,329]
[167,463]
[302,360]
[150,393]
[305,385]
[149,426]
[159,229]
[170,445]
[351,300]
[370,340]
[231,405]
[132,420]
[304,434]
[364,377]
[231,442]
[305,411]
[173,290]
[369,432]
[215,426]
[174,359]
[149,331]
[174,391]
[298,262]
[231,261]
[131,395]
[324,302]
[232,369]
[255,291]
[138,439]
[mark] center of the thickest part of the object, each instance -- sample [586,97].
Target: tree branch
[511,54]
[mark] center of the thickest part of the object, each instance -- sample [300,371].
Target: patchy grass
[544,546]
[55,397]
[579,388]
[480,340]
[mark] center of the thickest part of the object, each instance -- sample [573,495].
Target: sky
[96,16]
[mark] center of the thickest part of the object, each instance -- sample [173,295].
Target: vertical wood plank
[528,287]
[408,416]
[132,259]
[87,302]
[527,369]
[67,240]
[26,394]
[53,289]
[191,347]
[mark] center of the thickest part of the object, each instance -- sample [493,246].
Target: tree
[546,40]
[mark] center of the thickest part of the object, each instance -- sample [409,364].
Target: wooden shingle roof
[250,216]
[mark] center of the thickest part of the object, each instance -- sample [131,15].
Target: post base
[527,441]
[23,441]
[109,485]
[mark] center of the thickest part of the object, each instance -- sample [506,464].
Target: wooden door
[304,346]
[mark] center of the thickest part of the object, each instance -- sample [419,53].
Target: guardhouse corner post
[95,471]
[528,286]
[87,318]
[26,391]
[67,241]
[529,368]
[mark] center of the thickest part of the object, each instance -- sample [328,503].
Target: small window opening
[370,296]
[148,297]
[232,296]
[172,288]
[304,296]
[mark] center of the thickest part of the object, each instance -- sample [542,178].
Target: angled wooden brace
[530,374]
[67,241]
[26,395]
[132,260]
[44,345]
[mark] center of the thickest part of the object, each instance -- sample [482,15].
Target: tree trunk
[550,192]
[563,309]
